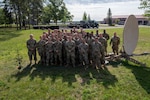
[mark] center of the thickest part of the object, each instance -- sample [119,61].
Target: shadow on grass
[141,73]
[6,34]
[69,74]
[115,63]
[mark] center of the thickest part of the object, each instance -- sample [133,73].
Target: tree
[145,4]
[2,16]
[24,10]
[89,18]
[66,15]
[31,11]
[58,11]
[36,8]
[16,7]
[8,19]
[109,17]
[7,11]
[46,15]
[84,18]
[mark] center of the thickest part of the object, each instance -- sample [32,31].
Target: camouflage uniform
[45,39]
[40,48]
[98,54]
[31,45]
[83,49]
[64,52]
[49,52]
[58,51]
[70,48]
[106,36]
[103,41]
[89,41]
[77,42]
[115,41]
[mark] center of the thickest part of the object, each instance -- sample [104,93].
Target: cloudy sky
[98,8]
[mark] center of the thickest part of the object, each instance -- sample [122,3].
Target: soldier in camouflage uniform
[115,41]
[97,33]
[49,51]
[77,42]
[83,51]
[98,53]
[106,36]
[45,39]
[103,41]
[70,49]
[89,40]
[40,48]
[31,45]
[57,51]
[64,52]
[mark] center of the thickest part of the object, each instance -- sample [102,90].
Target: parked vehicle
[93,24]
[84,24]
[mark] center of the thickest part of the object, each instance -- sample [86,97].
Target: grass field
[121,80]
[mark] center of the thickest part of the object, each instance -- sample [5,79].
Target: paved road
[108,27]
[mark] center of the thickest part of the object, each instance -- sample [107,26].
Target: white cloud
[94,1]
[98,11]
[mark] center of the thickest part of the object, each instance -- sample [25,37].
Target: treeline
[33,12]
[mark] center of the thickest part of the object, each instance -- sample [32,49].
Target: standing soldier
[45,39]
[98,53]
[97,33]
[106,36]
[58,51]
[77,42]
[64,52]
[49,52]
[89,40]
[40,48]
[103,41]
[70,49]
[115,41]
[31,45]
[49,32]
[83,52]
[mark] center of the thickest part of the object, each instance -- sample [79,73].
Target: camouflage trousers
[58,56]
[32,53]
[49,58]
[84,58]
[71,56]
[77,57]
[115,49]
[64,56]
[96,59]
[105,50]
[41,54]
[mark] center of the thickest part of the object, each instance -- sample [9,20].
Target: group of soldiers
[74,47]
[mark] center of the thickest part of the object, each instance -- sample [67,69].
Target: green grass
[120,80]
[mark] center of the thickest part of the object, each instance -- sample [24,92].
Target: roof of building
[126,16]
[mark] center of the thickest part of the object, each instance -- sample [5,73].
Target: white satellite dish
[130,39]
[130,34]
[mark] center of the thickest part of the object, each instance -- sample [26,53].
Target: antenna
[130,39]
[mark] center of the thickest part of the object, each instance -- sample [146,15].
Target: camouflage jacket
[115,41]
[83,48]
[31,44]
[57,46]
[70,46]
